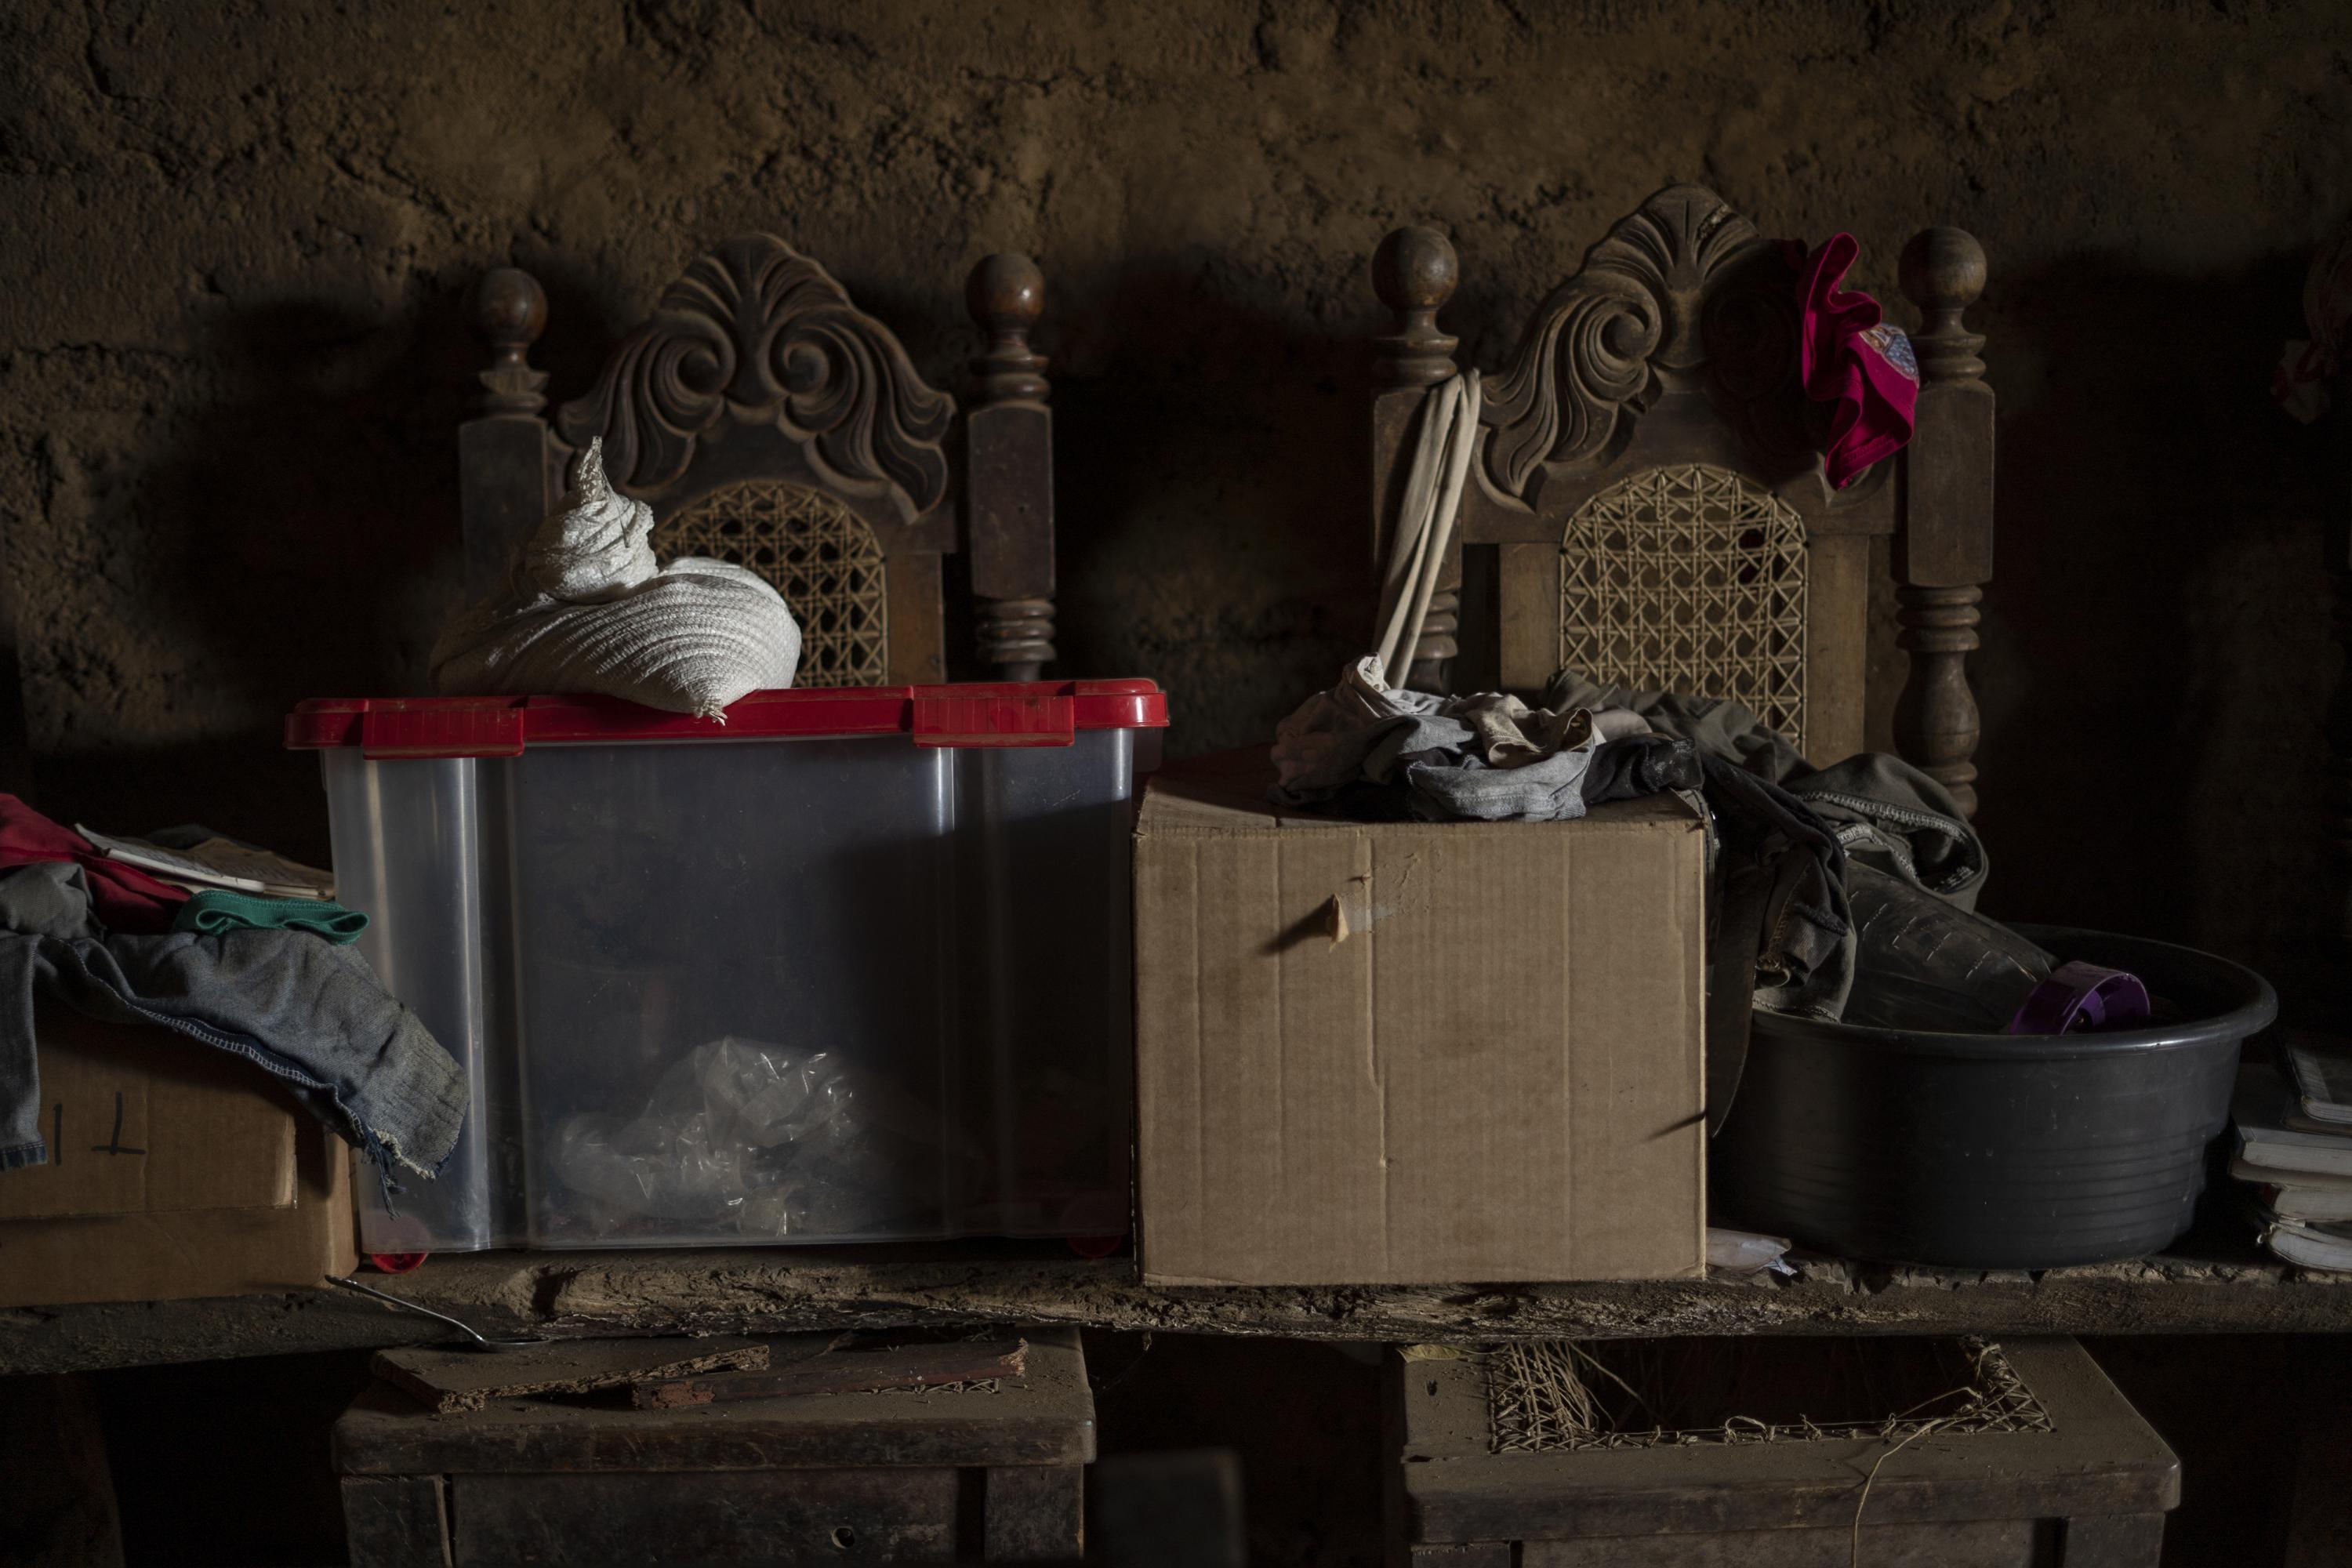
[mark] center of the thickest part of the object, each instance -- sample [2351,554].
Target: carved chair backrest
[1648,501]
[769,421]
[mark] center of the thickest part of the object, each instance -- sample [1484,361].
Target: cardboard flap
[144,1121]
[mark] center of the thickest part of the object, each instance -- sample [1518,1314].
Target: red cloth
[2304,370]
[125,898]
[1848,355]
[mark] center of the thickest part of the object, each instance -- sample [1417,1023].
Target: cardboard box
[1416,1053]
[213,1182]
[140,1120]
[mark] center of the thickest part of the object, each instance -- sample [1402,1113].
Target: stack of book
[2294,1142]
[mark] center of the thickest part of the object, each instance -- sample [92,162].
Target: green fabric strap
[219,910]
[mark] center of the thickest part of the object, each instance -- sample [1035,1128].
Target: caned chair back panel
[1648,502]
[1689,578]
[815,551]
[770,423]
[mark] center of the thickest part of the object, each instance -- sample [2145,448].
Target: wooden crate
[936,1476]
[2089,1492]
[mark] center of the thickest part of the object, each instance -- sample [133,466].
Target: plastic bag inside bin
[764,1140]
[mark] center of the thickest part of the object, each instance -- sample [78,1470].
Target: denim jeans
[308,1012]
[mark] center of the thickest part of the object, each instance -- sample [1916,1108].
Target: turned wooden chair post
[1009,469]
[1943,552]
[502,451]
[1415,271]
[2337,544]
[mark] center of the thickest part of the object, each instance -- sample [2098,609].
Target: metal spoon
[480,1340]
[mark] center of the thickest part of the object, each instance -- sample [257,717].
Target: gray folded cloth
[1888,814]
[1486,757]
[308,1011]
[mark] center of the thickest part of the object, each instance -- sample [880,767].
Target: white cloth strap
[1432,497]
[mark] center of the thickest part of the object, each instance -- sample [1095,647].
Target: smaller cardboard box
[139,1120]
[175,1172]
[1416,1053]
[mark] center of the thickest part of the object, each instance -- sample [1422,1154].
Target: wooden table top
[2222,1285]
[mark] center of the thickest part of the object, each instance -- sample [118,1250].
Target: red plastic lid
[1011,713]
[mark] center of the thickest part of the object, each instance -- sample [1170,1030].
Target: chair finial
[1414,272]
[1415,269]
[1942,272]
[1005,295]
[1943,267]
[510,312]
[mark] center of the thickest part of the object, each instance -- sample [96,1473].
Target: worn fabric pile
[1789,830]
[1367,750]
[587,607]
[1791,845]
[1785,829]
[248,980]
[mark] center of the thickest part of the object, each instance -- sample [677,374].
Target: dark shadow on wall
[2143,465]
[1213,495]
[293,533]
[16,774]
[305,536]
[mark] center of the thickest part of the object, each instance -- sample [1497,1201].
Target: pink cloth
[2300,382]
[1849,357]
[125,898]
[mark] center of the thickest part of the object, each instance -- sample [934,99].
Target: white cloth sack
[585,608]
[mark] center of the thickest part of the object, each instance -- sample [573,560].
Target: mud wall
[236,239]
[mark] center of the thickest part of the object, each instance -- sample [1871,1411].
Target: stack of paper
[216,862]
[2294,1142]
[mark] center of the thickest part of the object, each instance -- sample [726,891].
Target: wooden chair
[1485,1465]
[1648,502]
[769,421]
[987,1472]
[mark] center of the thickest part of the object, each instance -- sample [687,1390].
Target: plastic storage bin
[1993,1150]
[852,964]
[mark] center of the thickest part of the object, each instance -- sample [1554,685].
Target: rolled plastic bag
[1924,963]
[761,1139]
[585,607]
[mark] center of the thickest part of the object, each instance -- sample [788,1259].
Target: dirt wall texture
[236,239]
